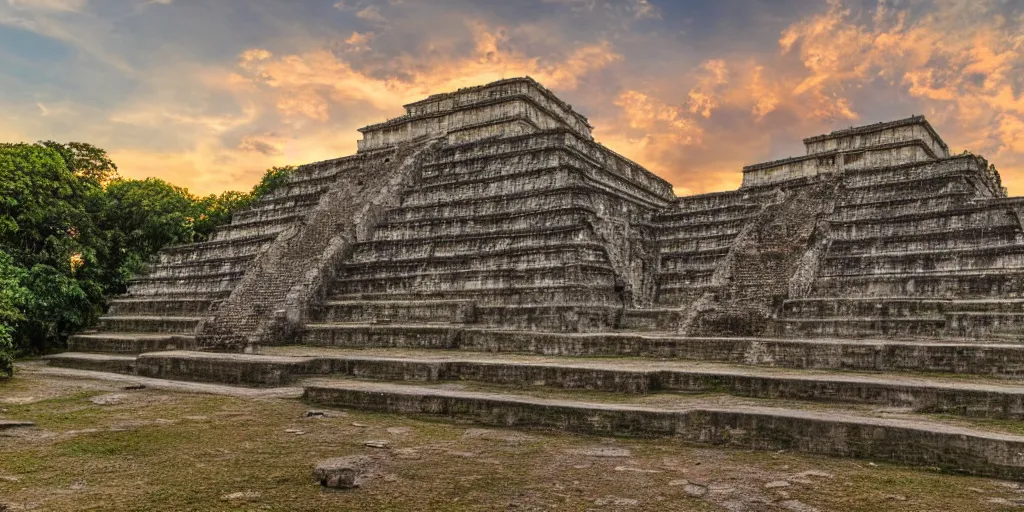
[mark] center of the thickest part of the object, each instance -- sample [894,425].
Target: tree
[139,218]
[216,210]
[72,233]
[273,178]
[85,160]
[13,298]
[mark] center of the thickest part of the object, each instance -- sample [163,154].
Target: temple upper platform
[904,141]
[515,106]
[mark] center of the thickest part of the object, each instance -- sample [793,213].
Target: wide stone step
[129,343]
[487,279]
[685,278]
[154,324]
[723,227]
[899,206]
[972,258]
[162,307]
[110,363]
[235,369]
[398,311]
[710,201]
[484,225]
[682,261]
[677,218]
[655,319]
[200,269]
[575,196]
[489,164]
[907,188]
[904,441]
[929,241]
[929,222]
[469,245]
[492,169]
[965,284]
[301,188]
[219,250]
[377,335]
[864,327]
[968,357]
[708,243]
[564,317]
[295,202]
[513,259]
[1007,326]
[682,296]
[271,214]
[176,287]
[571,293]
[891,307]
[286,365]
[536,179]
[241,230]
[912,175]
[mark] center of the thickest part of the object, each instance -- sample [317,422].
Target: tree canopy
[73,233]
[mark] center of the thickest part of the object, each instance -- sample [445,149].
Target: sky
[208,94]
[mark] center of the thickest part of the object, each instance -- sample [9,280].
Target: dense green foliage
[73,233]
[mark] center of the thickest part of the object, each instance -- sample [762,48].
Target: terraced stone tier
[520,259]
[912,442]
[512,203]
[278,207]
[864,327]
[970,258]
[1006,234]
[214,250]
[656,319]
[446,227]
[184,287]
[961,284]
[964,357]
[903,204]
[109,363]
[962,219]
[903,316]
[154,324]
[256,227]
[387,311]
[287,365]
[508,295]
[201,268]
[494,280]
[129,343]
[162,307]
[469,245]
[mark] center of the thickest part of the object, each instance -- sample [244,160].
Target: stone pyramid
[485,237]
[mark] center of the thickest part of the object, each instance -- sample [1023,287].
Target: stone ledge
[916,443]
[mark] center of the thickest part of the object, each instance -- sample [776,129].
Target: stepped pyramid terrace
[865,299]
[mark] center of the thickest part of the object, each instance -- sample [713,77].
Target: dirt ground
[109,445]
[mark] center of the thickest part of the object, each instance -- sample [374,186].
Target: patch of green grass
[173,451]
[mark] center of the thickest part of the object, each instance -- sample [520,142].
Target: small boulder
[340,472]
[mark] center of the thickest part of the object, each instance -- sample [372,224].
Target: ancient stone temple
[485,237]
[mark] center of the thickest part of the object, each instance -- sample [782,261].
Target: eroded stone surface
[341,472]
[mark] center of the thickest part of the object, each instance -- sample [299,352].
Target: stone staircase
[516,273]
[185,284]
